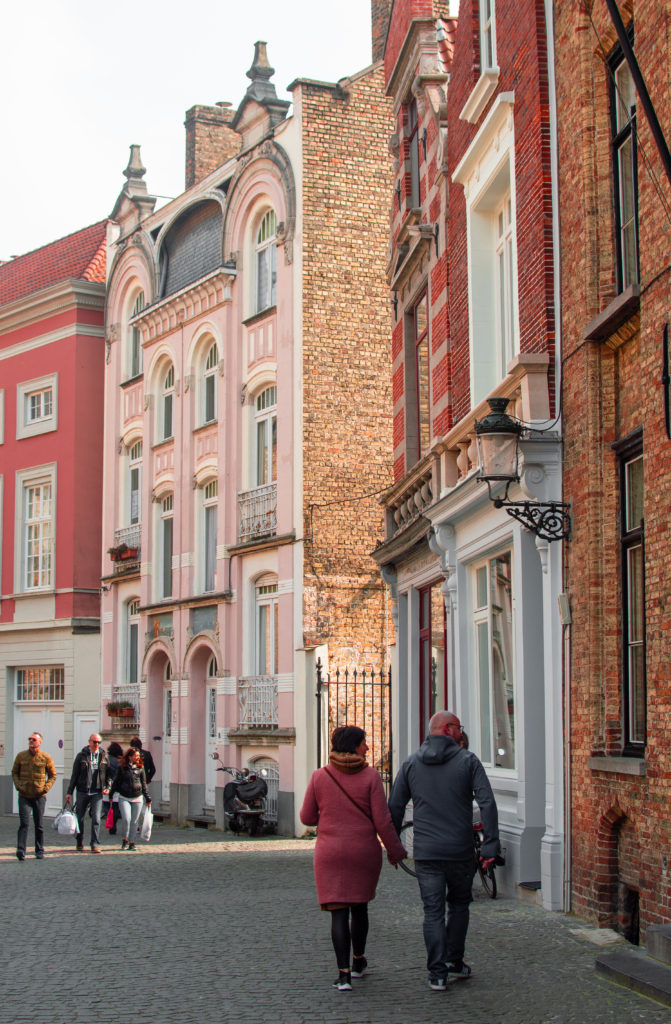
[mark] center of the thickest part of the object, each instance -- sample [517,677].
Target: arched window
[165,552]
[210,385]
[265,263]
[166,405]
[210,497]
[212,668]
[135,361]
[132,641]
[134,483]
[265,423]
[267,626]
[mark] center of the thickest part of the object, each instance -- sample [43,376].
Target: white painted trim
[71,331]
[45,424]
[2,415]
[493,125]
[33,474]
[286,683]
[227,686]
[482,90]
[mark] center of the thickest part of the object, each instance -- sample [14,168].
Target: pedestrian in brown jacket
[33,774]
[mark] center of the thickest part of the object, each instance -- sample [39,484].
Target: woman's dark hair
[115,750]
[129,755]
[346,738]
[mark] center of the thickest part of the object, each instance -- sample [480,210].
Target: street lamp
[498,438]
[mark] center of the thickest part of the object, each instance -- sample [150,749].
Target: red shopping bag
[109,820]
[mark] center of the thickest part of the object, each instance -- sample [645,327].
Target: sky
[81,80]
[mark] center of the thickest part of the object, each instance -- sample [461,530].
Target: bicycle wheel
[488,879]
[407,838]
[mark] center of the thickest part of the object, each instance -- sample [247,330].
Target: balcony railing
[257,513]
[258,702]
[129,692]
[130,537]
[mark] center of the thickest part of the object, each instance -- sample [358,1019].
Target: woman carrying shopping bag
[131,785]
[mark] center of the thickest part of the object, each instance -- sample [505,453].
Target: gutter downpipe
[565,674]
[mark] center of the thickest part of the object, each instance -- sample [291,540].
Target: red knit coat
[348,855]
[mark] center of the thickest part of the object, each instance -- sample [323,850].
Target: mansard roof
[79,255]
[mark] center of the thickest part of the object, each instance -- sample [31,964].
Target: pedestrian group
[98,776]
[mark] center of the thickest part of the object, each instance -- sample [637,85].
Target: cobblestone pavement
[197,928]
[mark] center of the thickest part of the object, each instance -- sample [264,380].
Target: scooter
[244,799]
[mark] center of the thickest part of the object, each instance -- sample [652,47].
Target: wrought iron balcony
[126,551]
[257,513]
[128,693]
[258,702]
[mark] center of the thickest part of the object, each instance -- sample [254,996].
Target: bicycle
[487,874]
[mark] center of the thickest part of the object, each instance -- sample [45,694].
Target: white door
[48,719]
[210,744]
[167,745]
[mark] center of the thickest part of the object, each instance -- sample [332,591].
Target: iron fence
[356,697]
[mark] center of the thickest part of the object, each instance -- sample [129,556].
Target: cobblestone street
[196,928]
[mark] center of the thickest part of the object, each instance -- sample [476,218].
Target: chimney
[210,140]
[380,11]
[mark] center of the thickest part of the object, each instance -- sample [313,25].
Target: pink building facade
[205,629]
[51,411]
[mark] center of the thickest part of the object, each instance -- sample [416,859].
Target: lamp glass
[498,456]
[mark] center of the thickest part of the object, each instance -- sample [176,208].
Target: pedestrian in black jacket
[442,778]
[131,785]
[147,759]
[91,776]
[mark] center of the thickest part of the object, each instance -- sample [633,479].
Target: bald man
[442,778]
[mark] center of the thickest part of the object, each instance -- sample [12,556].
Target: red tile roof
[80,255]
[446,30]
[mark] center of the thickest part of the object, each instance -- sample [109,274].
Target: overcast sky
[80,80]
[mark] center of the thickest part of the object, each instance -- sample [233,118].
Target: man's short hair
[36,732]
[136,742]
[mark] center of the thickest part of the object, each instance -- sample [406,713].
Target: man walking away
[91,775]
[33,774]
[441,779]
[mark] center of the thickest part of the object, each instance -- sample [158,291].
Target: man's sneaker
[344,981]
[457,972]
[96,849]
[20,855]
[438,984]
[359,966]
[124,844]
[131,847]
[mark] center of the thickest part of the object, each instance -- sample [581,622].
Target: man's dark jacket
[82,772]
[442,779]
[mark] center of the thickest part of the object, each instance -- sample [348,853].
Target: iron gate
[356,698]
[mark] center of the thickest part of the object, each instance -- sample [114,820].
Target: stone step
[658,942]
[530,892]
[633,969]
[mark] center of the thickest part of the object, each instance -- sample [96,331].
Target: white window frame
[134,465]
[210,371]
[265,433]
[45,422]
[482,619]
[266,625]
[134,353]
[38,476]
[265,262]
[210,497]
[2,415]
[165,570]
[487,172]
[132,610]
[166,405]
[489,69]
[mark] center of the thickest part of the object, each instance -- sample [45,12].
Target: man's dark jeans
[96,802]
[442,881]
[26,805]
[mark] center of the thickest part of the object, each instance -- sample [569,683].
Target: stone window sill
[617,765]
[615,315]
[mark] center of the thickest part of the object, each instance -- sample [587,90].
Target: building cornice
[72,293]
[195,300]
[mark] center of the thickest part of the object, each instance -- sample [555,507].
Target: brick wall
[379,14]
[521,55]
[347,421]
[210,140]
[611,388]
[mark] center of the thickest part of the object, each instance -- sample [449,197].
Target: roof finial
[135,168]
[260,68]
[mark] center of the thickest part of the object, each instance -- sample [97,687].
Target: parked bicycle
[487,874]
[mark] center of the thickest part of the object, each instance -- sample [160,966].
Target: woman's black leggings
[342,935]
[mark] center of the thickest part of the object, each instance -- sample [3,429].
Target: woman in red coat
[346,800]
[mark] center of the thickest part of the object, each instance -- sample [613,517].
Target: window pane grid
[42,683]
[38,536]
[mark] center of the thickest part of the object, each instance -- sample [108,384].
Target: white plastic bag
[147,822]
[66,823]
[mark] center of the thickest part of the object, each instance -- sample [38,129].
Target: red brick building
[52,357]
[616,233]
[473,286]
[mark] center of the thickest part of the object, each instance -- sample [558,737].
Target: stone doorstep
[658,942]
[634,969]
[530,892]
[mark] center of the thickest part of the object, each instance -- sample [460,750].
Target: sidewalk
[198,928]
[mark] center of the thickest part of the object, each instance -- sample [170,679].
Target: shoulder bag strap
[350,798]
